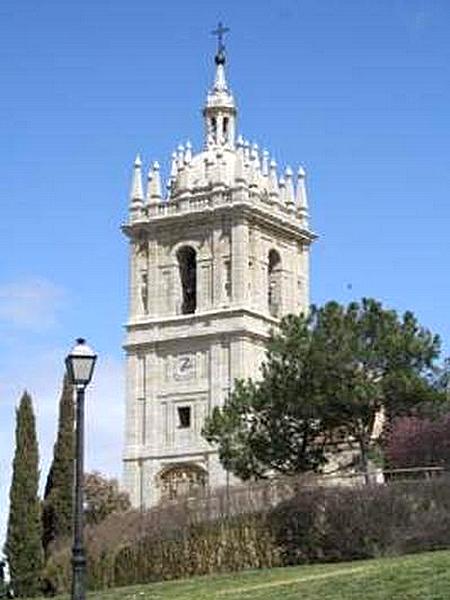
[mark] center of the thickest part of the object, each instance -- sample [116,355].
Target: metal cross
[219,32]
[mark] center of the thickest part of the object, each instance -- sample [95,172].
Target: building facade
[214,263]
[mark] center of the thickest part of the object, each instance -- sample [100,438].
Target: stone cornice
[255,212]
[205,315]
[228,322]
[135,453]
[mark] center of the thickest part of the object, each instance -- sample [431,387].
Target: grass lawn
[414,577]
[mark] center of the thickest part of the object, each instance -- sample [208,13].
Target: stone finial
[289,187]
[255,157]
[136,191]
[173,173]
[174,166]
[255,166]
[180,162]
[246,152]
[154,189]
[149,185]
[239,169]
[273,180]
[301,196]
[188,153]
[282,188]
[265,163]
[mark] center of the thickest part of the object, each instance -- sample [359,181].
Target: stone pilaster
[153,278]
[131,436]
[239,261]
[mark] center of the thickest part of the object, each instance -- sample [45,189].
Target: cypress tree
[23,547]
[57,515]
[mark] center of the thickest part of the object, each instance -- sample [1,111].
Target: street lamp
[80,366]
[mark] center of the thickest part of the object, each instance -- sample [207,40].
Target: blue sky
[357,91]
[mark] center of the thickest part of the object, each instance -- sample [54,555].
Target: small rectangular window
[184,417]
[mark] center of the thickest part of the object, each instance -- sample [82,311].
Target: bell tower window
[187,263]
[214,128]
[225,129]
[274,283]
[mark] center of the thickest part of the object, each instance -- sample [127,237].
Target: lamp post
[80,366]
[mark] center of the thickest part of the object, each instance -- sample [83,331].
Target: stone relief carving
[184,367]
[186,480]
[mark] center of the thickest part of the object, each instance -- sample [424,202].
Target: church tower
[214,263]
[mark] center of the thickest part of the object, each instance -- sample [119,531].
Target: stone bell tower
[214,264]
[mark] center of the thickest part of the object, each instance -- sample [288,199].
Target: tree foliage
[328,372]
[103,497]
[23,547]
[378,361]
[418,442]
[274,424]
[57,514]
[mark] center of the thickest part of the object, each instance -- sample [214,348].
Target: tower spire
[220,110]
[220,82]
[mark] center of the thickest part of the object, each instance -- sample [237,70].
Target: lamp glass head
[80,363]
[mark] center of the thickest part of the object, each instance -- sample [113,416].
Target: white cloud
[31,304]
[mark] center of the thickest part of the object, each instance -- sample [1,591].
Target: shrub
[314,525]
[163,544]
[418,442]
[103,497]
[337,524]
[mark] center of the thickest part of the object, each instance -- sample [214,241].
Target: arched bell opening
[187,264]
[274,283]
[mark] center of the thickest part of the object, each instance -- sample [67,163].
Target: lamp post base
[78,574]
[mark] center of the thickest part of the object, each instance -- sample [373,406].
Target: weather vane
[219,32]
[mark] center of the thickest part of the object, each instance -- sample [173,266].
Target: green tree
[57,513]
[379,360]
[23,547]
[276,424]
[328,373]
